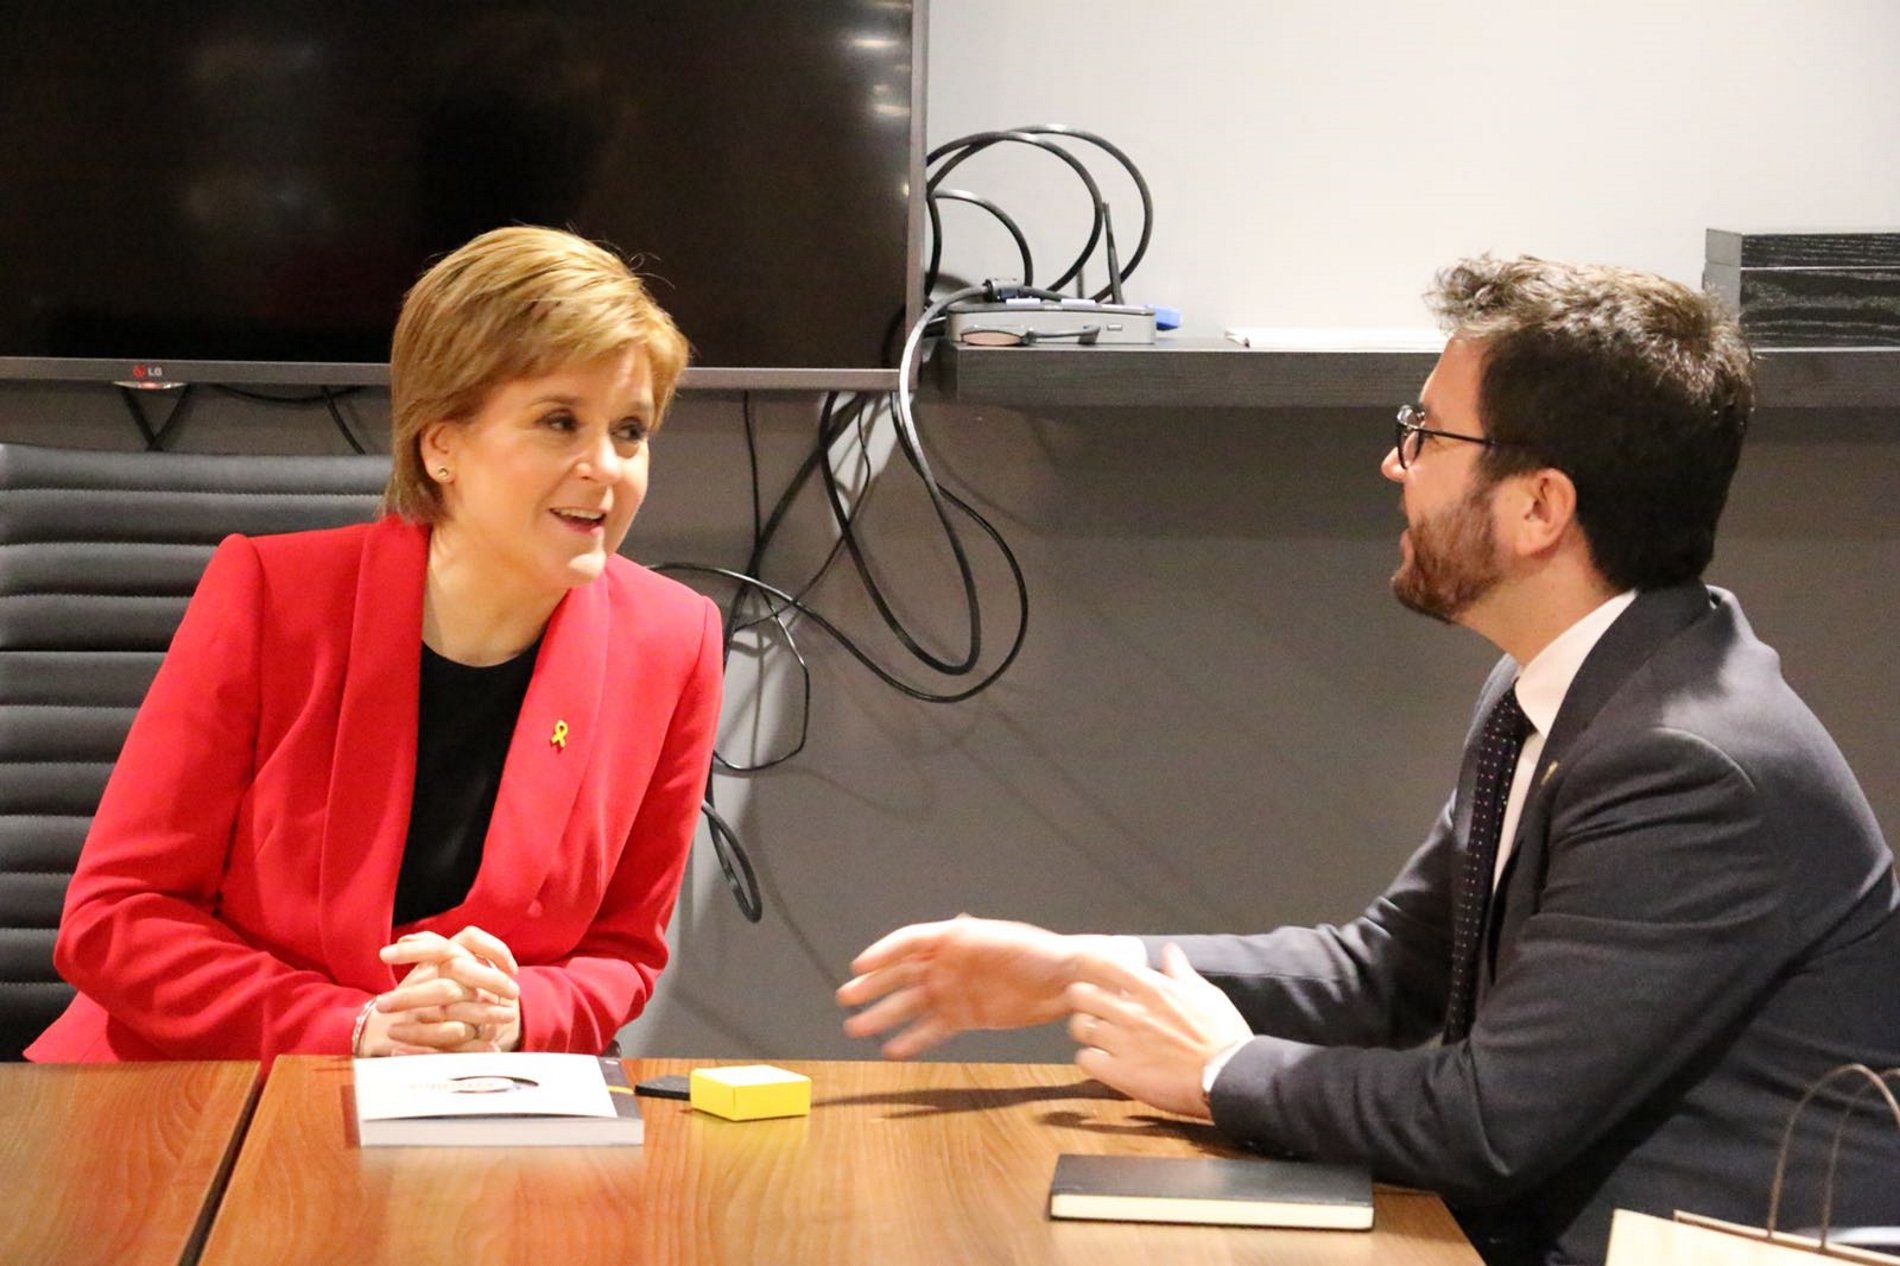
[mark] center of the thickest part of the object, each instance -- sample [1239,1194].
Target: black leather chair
[98,554]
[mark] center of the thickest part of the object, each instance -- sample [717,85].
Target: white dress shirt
[1541,687]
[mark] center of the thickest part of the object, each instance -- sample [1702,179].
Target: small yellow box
[751,1092]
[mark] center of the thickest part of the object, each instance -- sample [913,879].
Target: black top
[464,721]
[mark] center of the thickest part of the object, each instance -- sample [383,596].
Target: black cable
[851,647]
[1141,189]
[1085,337]
[829,432]
[804,711]
[762,537]
[776,615]
[1115,274]
[876,593]
[733,862]
[155,437]
[837,419]
[976,144]
[734,625]
[913,450]
[942,501]
[967,147]
[267,397]
[325,395]
[139,419]
[848,541]
[1015,230]
[336,416]
[752,461]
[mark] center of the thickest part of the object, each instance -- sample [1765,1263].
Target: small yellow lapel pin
[559,737]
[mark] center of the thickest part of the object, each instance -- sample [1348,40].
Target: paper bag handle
[1869,1080]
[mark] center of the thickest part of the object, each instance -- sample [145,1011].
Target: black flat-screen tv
[229,191]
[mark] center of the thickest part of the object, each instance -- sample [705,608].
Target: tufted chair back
[98,554]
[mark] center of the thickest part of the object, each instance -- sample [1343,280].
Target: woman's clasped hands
[460,994]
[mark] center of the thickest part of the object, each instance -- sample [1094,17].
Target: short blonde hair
[513,303]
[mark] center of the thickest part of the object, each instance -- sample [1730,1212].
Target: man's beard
[1454,560]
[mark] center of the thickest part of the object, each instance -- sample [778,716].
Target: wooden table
[116,1162]
[897,1163]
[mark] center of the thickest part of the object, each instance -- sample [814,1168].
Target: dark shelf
[1191,372]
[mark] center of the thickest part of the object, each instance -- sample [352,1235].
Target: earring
[442,473]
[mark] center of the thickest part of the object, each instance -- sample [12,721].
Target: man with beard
[1656,907]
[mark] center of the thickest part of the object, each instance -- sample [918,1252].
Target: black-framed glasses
[1411,431]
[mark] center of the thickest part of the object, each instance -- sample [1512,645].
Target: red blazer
[240,874]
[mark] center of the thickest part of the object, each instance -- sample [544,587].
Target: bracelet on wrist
[356,1030]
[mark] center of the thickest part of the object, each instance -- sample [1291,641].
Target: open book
[514,1099]
[1213,1190]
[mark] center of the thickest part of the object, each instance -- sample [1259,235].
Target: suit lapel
[1652,620]
[1655,618]
[554,739]
[373,766]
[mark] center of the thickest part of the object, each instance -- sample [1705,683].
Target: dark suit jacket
[1698,920]
[240,875]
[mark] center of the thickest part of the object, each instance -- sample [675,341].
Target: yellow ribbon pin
[559,738]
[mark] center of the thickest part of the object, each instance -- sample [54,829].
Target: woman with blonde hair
[428,783]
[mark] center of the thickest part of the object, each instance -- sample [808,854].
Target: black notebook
[1213,1190]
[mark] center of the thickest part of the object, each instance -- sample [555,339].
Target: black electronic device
[236,192]
[670,1086]
[1028,321]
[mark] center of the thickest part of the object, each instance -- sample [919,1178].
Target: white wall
[1314,161]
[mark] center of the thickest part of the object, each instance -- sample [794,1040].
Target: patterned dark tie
[1503,739]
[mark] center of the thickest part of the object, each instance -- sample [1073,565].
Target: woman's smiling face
[543,482]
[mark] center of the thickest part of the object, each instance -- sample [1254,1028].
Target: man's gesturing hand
[930,981]
[1148,1033]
